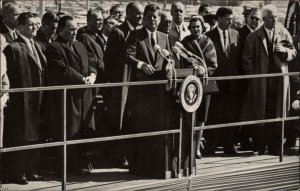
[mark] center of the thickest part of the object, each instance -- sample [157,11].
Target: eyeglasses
[254,18]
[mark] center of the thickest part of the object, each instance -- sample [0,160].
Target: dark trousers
[19,162]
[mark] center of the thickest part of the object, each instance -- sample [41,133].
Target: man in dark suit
[45,34]
[10,13]
[252,24]
[93,42]
[223,107]
[150,102]
[68,64]
[26,68]
[116,71]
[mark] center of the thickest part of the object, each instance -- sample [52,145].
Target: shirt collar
[268,30]
[180,26]
[9,29]
[221,31]
[251,30]
[149,32]
[27,40]
[130,25]
[105,37]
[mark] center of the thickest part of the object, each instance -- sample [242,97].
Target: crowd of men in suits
[120,47]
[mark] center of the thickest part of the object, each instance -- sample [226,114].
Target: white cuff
[139,65]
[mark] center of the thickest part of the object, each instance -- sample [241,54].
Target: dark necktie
[152,40]
[36,56]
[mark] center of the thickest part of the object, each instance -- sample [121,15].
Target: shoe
[125,163]
[21,179]
[36,177]
[230,151]
[198,155]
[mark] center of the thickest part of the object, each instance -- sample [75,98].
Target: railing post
[64,173]
[191,133]
[284,112]
[179,145]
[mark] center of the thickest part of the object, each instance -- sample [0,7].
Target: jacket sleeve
[94,61]
[130,50]
[59,71]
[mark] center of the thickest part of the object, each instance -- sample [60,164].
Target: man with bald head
[10,13]
[178,29]
[117,72]
[267,50]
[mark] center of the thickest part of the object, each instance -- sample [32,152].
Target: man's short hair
[103,11]
[222,11]
[151,8]
[110,17]
[130,6]
[114,8]
[92,11]
[268,8]
[63,22]
[8,7]
[49,17]
[173,5]
[202,7]
[23,17]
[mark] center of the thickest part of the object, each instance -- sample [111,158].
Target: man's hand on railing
[148,68]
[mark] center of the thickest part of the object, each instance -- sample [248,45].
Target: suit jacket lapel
[41,56]
[148,44]
[219,43]
[277,37]
[263,38]
[26,48]
[162,43]
[68,48]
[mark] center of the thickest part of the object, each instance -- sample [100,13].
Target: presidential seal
[190,94]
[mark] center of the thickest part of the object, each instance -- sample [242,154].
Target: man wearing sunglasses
[253,22]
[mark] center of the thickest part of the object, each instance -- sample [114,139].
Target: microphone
[166,53]
[181,47]
[158,49]
[176,50]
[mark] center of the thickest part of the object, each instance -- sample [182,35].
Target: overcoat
[256,61]
[23,111]
[68,67]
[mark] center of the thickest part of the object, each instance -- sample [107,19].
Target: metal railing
[66,142]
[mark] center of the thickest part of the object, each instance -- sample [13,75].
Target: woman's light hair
[269,8]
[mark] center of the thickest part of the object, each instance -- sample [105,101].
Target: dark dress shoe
[125,163]
[36,177]
[21,180]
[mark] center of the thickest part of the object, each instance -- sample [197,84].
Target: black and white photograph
[160,95]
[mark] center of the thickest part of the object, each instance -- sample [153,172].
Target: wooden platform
[221,172]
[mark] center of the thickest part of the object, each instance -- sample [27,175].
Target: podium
[155,109]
